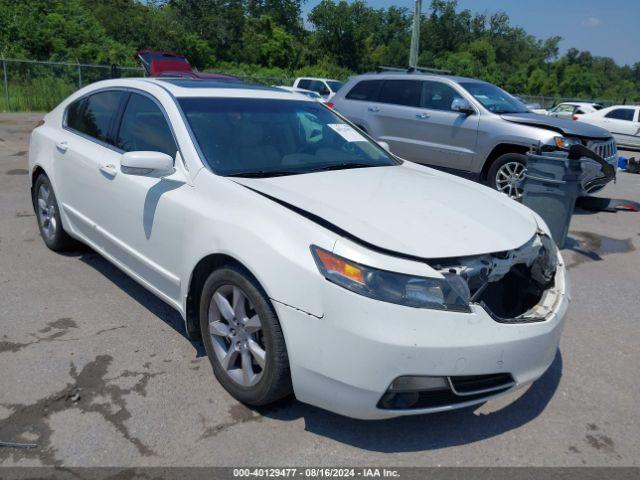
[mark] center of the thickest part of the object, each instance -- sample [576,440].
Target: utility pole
[415,35]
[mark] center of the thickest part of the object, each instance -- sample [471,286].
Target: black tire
[56,239]
[275,381]
[500,162]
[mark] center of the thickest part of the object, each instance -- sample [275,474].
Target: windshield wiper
[265,173]
[341,166]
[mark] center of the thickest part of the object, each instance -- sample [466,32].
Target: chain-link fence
[30,85]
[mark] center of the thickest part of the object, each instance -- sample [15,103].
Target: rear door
[393,117]
[357,103]
[85,153]
[621,123]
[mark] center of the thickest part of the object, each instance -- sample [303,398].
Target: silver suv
[468,127]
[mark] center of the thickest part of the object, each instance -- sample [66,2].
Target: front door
[143,222]
[448,137]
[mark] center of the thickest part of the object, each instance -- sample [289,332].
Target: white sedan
[308,258]
[623,121]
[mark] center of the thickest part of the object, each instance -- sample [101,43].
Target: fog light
[418,384]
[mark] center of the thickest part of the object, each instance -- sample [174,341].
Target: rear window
[304,84]
[401,92]
[94,114]
[366,90]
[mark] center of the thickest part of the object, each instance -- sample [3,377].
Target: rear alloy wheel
[48,215]
[507,174]
[243,338]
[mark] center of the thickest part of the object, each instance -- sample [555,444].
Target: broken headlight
[413,291]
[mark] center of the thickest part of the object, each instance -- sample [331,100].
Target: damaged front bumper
[348,360]
[516,286]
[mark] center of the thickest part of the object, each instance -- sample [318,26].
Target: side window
[401,92]
[366,90]
[304,83]
[144,127]
[621,114]
[565,108]
[319,86]
[437,95]
[74,114]
[94,114]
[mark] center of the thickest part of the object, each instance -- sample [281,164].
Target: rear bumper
[346,360]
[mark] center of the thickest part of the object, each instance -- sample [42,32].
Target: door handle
[109,170]
[422,116]
[62,146]
[373,109]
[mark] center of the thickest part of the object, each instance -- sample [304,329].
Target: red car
[169,64]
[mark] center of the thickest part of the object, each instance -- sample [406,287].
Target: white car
[308,258]
[623,121]
[573,109]
[307,93]
[325,87]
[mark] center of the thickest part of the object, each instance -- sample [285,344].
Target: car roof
[319,78]
[199,87]
[389,75]
[580,104]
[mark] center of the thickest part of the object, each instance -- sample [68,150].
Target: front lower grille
[461,389]
[472,384]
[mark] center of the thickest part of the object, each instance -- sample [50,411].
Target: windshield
[335,85]
[493,98]
[268,137]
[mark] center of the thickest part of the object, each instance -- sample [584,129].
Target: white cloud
[591,22]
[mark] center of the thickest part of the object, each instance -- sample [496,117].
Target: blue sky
[608,28]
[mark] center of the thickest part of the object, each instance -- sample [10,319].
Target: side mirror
[462,105]
[384,145]
[146,163]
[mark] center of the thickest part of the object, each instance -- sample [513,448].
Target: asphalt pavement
[94,370]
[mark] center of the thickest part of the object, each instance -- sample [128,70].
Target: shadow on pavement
[425,432]
[404,434]
[136,291]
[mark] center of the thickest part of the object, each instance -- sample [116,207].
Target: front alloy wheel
[236,335]
[243,337]
[509,179]
[506,174]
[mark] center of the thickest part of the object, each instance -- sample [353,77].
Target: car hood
[408,209]
[560,125]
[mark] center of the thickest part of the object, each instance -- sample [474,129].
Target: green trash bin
[551,186]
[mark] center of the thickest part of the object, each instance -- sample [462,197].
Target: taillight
[329,104]
[574,117]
